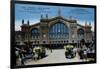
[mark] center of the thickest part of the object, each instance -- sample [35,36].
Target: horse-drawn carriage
[69,51]
[39,52]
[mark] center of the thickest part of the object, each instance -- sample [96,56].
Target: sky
[33,13]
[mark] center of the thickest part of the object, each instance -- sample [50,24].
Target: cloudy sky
[33,12]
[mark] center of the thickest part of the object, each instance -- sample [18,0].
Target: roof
[18,32]
[54,18]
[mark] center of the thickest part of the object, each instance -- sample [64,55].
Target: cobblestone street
[57,56]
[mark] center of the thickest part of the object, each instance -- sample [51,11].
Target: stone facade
[40,34]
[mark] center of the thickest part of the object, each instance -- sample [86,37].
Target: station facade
[54,31]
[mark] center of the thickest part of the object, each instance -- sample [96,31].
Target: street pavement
[57,56]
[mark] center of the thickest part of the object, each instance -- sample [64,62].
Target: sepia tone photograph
[47,33]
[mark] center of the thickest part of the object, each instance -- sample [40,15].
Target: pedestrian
[50,49]
[81,53]
[85,52]
[21,57]
[33,52]
[35,56]
[75,51]
[17,56]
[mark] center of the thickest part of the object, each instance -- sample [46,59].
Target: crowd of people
[86,51]
[23,54]
[36,53]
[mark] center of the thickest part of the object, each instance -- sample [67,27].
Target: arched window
[58,31]
[35,33]
[80,33]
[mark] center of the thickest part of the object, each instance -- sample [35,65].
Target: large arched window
[35,33]
[58,31]
[80,33]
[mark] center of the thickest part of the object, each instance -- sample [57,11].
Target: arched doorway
[58,34]
[80,33]
[35,34]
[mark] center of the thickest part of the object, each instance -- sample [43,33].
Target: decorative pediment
[62,18]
